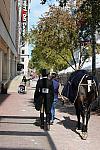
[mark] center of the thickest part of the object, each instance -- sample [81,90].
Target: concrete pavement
[19,125]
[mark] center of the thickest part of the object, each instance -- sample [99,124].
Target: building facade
[13,27]
[23,6]
[8,39]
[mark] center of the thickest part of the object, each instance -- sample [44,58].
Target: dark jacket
[45,89]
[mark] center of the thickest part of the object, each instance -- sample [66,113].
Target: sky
[36,10]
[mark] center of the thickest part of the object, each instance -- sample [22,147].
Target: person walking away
[56,91]
[44,90]
[24,80]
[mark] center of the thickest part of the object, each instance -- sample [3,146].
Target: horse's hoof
[84,135]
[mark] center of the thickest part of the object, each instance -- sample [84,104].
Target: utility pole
[93,30]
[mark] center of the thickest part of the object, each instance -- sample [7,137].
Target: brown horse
[86,91]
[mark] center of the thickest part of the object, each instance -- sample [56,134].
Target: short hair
[54,74]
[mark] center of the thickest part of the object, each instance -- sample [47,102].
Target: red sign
[24,17]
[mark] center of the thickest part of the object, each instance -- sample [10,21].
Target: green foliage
[59,34]
[52,39]
[89,23]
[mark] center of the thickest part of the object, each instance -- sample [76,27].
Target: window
[20,67]
[23,51]
[22,59]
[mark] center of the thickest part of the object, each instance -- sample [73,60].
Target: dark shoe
[42,126]
[48,127]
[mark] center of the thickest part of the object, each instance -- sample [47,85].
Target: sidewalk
[19,125]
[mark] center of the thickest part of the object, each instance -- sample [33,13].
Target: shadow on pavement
[66,108]
[12,120]
[19,148]
[69,124]
[16,117]
[19,117]
[51,143]
[3,97]
[19,133]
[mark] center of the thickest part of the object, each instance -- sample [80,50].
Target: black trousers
[48,116]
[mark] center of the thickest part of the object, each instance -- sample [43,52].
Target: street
[19,124]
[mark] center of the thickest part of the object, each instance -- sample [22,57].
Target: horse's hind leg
[85,119]
[78,118]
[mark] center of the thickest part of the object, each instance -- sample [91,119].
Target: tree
[54,37]
[90,11]
[88,18]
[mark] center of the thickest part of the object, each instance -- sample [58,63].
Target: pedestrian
[56,92]
[44,91]
[24,79]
